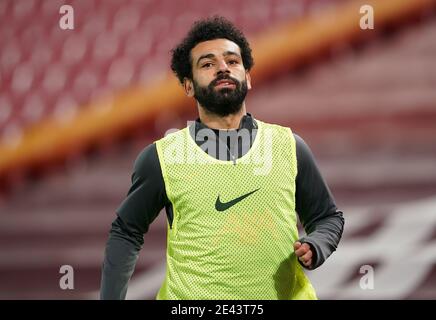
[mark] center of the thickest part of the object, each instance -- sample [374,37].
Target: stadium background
[77,106]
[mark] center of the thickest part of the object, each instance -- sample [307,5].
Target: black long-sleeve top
[315,206]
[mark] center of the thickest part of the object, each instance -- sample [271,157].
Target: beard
[224,101]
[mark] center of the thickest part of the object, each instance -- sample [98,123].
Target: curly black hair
[215,27]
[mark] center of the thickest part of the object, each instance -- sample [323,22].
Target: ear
[248,78]
[189,87]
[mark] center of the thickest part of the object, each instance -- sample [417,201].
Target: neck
[215,121]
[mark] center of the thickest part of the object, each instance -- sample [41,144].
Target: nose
[222,67]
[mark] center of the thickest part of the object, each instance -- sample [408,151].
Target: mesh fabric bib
[234,225]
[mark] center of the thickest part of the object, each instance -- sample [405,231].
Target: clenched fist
[303,253]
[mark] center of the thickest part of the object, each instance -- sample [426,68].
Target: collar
[247,122]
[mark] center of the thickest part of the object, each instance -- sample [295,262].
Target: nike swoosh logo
[220,206]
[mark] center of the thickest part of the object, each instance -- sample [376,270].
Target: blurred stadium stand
[365,101]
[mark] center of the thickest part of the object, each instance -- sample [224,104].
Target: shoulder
[271,125]
[277,130]
[301,145]
[173,134]
[147,160]
[305,158]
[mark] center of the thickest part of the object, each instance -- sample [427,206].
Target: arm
[145,199]
[317,210]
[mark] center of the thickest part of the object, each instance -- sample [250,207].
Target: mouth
[225,83]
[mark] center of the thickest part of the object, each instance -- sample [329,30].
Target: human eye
[207,65]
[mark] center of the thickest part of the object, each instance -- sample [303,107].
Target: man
[231,185]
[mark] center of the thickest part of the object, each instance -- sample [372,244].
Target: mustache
[224,77]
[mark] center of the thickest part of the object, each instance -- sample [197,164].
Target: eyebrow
[211,55]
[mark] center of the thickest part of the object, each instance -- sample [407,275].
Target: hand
[303,253]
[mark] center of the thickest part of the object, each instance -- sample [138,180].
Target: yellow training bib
[234,224]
